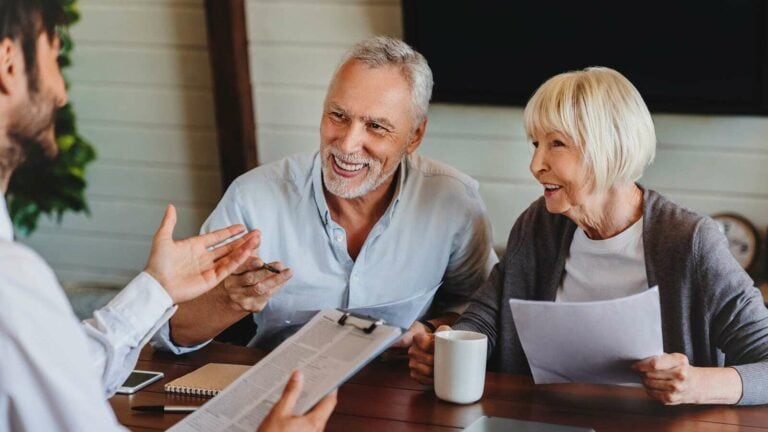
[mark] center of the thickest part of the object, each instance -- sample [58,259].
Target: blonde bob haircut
[604,114]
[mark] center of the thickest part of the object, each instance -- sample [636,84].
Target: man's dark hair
[23,21]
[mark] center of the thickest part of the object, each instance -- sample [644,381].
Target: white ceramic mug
[460,358]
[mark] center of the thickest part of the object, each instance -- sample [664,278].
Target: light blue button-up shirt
[434,240]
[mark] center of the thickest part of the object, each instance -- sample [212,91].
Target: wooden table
[383,398]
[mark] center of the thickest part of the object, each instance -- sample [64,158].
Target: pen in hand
[270,268]
[164,408]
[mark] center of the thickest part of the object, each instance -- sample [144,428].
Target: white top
[604,269]
[55,373]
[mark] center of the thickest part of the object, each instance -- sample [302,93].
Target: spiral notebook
[208,380]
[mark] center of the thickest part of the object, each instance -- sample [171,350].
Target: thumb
[165,230]
[291,394]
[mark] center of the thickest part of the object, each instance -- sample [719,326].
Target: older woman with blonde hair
[596,235]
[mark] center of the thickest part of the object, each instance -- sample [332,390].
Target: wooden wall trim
[228,53]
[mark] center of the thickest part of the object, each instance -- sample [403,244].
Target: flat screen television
[685,56]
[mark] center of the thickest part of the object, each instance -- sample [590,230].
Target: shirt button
[339,238]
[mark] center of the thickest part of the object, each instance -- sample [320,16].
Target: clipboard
[329,349]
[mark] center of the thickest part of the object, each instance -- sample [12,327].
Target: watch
[742,237]
[431,327]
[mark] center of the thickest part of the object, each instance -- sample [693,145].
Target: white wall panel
[118,216]
[161,65]
[144,104]
[294,64]
[141,87]
[321,23]
[136,181]
[126,23]
[173,145]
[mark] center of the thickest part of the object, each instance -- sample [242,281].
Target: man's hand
[281,418]
[673,381]
[422,356]
[251,286]
[406,340]
[186,268]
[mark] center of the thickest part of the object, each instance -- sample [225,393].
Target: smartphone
[137,380]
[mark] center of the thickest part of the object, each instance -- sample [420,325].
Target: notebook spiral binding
[191,391]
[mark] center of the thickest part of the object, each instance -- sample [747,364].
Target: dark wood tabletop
[382,397]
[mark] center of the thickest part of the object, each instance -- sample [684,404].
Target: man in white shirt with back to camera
[56,373]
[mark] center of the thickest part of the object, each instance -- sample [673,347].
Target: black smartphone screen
[137,378]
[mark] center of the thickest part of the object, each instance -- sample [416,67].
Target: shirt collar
[322,205]
[6,229]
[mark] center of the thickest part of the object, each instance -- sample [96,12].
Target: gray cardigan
[710,309]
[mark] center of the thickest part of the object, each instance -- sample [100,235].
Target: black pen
[164,408]
[270,268]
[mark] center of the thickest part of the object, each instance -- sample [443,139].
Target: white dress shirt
[55,372]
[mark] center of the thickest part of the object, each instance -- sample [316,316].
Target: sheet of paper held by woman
[590,342]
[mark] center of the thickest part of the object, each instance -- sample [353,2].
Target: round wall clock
[742,237]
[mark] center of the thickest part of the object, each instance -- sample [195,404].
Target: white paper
[327,353]
[592,342]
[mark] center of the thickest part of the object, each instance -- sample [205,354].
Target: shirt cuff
[754,382]
[162,341]
[137,309]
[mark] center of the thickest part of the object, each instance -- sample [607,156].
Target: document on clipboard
[328,350]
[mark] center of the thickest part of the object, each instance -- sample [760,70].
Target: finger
[416,352]
[269,286]
[666,398]
[225,266]
[422,379]
[661,362]
[320,413]
[680,373]
[212,239]
[420,368]
[405,341]
[255,263]
[421,357]
[425,342]
[165,230]
[662,385]
[225,249]
[290,395]
[263,278]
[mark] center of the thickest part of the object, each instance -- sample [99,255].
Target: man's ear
[418,135]
[9,65]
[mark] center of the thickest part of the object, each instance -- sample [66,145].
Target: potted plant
[60,185]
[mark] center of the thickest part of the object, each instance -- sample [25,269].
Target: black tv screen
[700,56]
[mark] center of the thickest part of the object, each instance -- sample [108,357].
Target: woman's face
[558,164]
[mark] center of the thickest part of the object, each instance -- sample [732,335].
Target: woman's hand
[421,356]
[671,379]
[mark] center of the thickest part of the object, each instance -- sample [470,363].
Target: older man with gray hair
[364,224]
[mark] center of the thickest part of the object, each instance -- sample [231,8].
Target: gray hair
[386,51]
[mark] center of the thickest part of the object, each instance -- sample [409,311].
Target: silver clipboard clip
[367,329]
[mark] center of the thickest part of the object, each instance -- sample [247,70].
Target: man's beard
[31,137]
[341,186]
